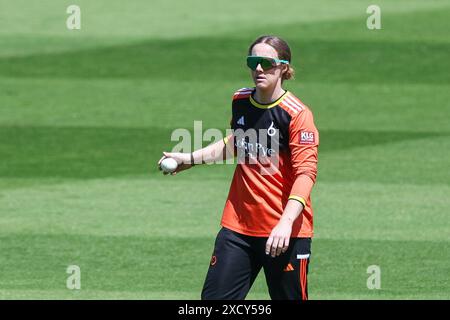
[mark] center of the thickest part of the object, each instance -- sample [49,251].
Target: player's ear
[284,71]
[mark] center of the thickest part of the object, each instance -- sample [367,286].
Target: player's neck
[268,96]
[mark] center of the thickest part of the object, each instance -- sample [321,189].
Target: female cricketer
[267,221]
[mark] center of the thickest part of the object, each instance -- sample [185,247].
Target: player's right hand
[183,160]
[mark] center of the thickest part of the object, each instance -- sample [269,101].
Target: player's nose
[259,68]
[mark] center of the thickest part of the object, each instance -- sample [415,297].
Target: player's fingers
[286,244]
[179,168]
[273,251]
[160,160]
[280,246]
[269,244]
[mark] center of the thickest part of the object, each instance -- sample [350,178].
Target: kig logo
[307,137]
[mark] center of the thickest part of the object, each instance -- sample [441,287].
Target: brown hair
[282,49]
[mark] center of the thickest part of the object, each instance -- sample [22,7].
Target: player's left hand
[278,241]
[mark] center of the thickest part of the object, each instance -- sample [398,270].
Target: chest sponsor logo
[254,149]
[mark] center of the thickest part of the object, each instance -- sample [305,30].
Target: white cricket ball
[169,165]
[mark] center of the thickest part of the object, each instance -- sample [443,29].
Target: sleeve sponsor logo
[307,137]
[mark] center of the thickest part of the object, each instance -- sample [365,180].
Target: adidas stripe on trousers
[237,260]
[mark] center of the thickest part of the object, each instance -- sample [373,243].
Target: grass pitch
[85,115]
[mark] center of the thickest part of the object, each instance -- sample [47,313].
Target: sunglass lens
[252,62]
[266,64]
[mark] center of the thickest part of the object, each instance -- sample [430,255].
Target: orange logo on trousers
[289,267]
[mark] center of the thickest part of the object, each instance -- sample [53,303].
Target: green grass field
[85,115]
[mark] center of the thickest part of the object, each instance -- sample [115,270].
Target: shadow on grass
[137,263]
[95,152]
[223,58]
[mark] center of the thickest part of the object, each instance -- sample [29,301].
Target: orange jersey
[260,189]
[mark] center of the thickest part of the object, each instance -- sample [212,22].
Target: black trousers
[237,260]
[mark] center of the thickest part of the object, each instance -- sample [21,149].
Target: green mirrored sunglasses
[266,62]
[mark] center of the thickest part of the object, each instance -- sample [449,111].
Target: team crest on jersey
[307,137]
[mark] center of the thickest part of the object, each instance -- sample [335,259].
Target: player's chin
[262,84]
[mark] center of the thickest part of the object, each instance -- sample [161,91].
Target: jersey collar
[267,106]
